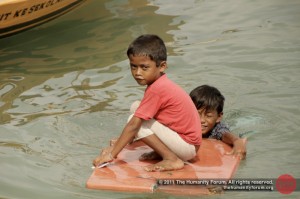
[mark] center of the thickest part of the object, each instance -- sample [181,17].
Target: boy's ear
[163,66]
[220,117]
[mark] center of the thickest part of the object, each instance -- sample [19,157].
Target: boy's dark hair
[148,45]
[208,97]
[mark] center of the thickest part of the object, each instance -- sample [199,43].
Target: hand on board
[238,149]
[105,156]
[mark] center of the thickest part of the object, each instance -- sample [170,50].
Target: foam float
[126,173]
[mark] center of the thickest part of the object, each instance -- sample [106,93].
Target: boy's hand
[105,156]
[239,149]
[113,141]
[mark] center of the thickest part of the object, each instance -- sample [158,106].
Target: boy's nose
[202,118]
[138,71]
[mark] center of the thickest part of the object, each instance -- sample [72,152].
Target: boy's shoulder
[164,84]
[218,131]
[221,125]
[161,80]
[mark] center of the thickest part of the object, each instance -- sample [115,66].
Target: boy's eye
[145,67]
[133,67]
[209,115]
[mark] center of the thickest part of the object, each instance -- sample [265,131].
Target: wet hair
[149,45]
[208,97]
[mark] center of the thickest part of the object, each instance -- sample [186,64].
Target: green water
[66,87]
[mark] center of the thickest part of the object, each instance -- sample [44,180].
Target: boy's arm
[239,146]
[128,134]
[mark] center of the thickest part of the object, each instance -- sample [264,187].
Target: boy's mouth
[203,128]
[138,78]
[140,81]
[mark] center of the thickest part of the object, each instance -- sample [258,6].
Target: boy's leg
[166,143]
[172,140]
[169,137]
[134,106]
[170,161]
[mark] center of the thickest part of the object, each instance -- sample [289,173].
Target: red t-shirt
[171,106]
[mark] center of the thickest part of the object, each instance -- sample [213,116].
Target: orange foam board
[126,173]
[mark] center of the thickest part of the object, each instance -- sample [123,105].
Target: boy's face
[144,70]
[209,118]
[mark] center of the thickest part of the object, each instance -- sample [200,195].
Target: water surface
[66,87]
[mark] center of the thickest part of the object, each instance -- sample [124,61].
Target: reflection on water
[55,50]
[23,147]
[65,86]
[74,93]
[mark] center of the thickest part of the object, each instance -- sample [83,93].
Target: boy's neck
[161,74]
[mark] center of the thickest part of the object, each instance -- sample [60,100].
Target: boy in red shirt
[166,119]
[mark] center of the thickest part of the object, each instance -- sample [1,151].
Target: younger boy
[209,102]
[166,119]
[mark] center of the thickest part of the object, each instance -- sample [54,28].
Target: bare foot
[150,156]
[166,165]
[193,160]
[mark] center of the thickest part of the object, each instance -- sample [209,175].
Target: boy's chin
[204,134]
[205,131]
[141,83]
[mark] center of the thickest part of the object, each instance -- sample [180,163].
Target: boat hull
[20,15]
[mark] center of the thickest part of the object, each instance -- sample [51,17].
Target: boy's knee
[145,130]
[143,133]
[129,118]
[134,106]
